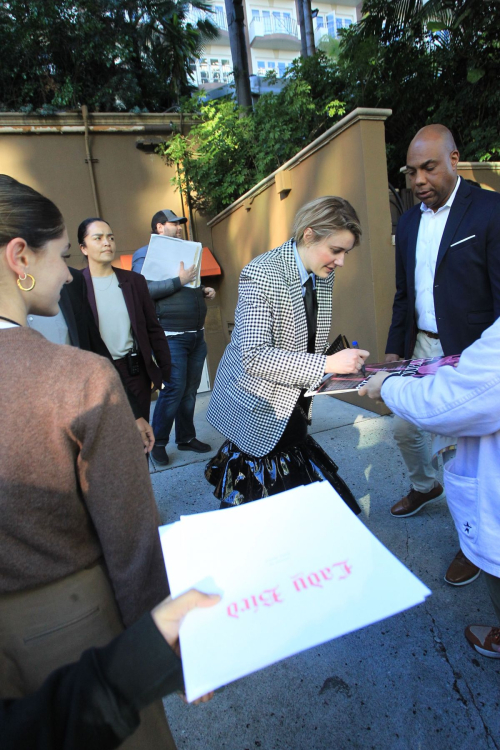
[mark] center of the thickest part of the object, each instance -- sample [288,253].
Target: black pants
[139,385]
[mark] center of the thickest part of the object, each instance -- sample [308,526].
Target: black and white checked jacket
[266,364]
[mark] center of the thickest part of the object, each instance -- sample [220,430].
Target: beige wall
[487,174]
[131,185]
[349,161]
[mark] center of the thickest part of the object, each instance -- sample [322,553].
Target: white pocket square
[464,240]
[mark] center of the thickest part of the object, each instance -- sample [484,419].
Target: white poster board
[294,570]
[166,253]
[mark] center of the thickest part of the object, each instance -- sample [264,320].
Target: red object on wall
[209,266]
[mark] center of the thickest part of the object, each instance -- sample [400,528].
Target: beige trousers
[47,627]
[412,441]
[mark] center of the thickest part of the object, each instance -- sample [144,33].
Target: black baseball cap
[161,217]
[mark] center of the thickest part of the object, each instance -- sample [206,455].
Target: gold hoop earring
[23,278]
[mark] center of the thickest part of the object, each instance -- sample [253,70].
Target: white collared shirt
[430,233]
[302,271]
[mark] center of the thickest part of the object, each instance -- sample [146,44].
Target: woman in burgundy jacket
[125,314]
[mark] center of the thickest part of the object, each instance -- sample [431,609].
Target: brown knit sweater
[74,484]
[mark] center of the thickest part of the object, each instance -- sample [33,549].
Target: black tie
[311,306]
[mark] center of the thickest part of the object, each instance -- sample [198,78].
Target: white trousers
[412,441]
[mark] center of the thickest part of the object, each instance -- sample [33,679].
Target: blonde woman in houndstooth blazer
[282,322]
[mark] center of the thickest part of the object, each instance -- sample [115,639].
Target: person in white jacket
[463,401]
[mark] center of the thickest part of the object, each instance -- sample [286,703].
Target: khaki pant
[47,627]
[412,441]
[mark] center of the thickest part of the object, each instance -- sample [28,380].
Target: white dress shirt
[430,233]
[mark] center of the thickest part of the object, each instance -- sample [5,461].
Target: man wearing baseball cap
[181,311]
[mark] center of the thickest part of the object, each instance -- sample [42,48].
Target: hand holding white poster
[294,570]
[164,256]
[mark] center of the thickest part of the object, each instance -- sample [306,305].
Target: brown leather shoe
[484,638]
[461,571]
[415,501]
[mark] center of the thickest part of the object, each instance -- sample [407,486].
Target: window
[336,23]
[216,70]
[343,23]
[263,66]
[330,24]
[204,71]
[320,22]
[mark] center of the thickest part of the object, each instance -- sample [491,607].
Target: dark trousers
[139,385]
[177,399]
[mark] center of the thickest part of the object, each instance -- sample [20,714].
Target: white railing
[217,17]
[272,25]
[320,32]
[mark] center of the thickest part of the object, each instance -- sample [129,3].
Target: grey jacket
[179,308]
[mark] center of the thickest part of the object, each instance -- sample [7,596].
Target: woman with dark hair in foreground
[80,554]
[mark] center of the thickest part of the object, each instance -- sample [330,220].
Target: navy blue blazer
[467,277]
[147,331]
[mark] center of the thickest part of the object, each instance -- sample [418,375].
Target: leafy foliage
[109,54]
[229,149]
[434,61]
[429,62]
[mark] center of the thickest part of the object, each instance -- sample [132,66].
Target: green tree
[110,54]
[229,149]
[432,62]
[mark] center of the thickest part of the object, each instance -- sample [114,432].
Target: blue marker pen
[356,346]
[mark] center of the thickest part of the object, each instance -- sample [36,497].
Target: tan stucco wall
[487,174]
[131,184]
[352,163]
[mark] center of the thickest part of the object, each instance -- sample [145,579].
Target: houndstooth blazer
[266,364]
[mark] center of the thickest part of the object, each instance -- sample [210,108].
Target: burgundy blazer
[148,332]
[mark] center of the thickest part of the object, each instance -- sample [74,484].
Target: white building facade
[273,37]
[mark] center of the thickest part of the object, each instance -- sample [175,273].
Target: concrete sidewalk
[408,683]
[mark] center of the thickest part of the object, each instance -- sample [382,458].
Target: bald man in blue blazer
[447,291]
